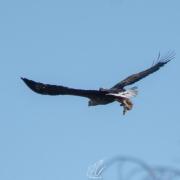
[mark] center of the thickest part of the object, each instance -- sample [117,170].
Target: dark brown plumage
[161,61]
[102,96]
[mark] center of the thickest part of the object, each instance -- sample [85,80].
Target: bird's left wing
[47,89]
[161,61]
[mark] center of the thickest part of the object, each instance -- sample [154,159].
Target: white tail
[133,92]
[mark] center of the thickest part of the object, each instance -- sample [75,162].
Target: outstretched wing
[161,61]
[47,89]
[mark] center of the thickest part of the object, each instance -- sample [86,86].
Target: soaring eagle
[103,96]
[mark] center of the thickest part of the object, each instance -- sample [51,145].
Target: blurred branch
[130,168]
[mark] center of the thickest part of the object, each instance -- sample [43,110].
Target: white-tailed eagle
[103,96]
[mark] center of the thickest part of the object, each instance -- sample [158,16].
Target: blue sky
[85,44]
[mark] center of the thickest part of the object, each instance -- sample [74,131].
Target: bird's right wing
[47,89]
[161,61]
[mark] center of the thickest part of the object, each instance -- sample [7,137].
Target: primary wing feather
[161,61]
[47,89]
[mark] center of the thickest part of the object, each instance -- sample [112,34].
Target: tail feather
[130,93]
[133,91]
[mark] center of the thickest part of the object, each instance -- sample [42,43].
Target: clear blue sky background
[85,44]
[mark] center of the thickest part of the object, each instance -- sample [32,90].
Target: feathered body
[103,96]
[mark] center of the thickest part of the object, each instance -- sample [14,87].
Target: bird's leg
[124,107]
[124,110]
[127,105]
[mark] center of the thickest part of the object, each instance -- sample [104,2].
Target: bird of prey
[103,96]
